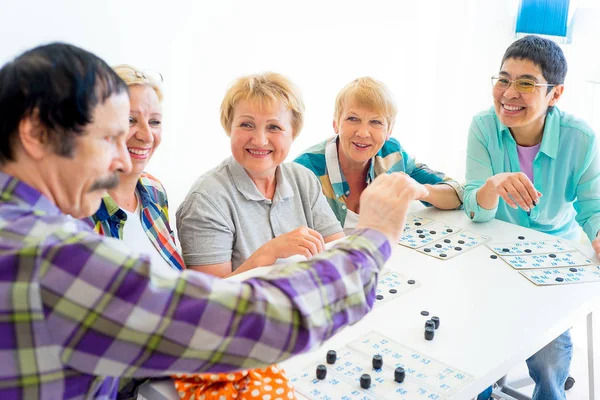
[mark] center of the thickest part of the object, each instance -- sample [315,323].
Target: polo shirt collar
[248,189]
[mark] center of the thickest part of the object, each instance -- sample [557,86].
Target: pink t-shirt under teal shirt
[526,156]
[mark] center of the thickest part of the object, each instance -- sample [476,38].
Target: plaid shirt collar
[110,210]
[15,191]
[334,169]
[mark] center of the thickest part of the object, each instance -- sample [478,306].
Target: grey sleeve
[205,234]
[324,219]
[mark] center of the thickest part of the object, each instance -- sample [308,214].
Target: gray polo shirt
[225,217]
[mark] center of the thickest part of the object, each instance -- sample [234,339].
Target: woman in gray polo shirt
[253,209]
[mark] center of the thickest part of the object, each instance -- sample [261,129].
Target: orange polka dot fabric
[269,383]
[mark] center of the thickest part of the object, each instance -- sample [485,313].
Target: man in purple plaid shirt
[79,310]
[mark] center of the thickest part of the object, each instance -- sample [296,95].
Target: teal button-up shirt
[566,171]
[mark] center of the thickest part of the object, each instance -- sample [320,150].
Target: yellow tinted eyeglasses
[522,85]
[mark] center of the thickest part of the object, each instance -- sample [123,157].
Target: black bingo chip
[429,323]
[417,224]
[527,251]
[461,242]
[439,246]
[379,297]
[425,313]
[493,256]
[321,372]
[573,269]
[429,333]
[569,383]
[393,291]
[331,357]
[449,230]
[427,250]
[443,255]
[458,248]
[410,282]
[436,321]
[422,236]
[522,237]
[419,231]
[505,250]
[559,279]
[365,381]
[447,240]
[399,375]
[377,361]
[552,255]
[433,232]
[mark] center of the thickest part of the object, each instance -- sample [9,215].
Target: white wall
[436,55]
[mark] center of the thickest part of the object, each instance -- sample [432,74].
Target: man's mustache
[105,183]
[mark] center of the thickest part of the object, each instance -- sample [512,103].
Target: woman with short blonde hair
[254,209]
[362,148]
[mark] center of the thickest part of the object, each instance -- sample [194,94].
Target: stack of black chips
[430,326]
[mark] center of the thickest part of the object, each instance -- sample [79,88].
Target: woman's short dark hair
[542,52]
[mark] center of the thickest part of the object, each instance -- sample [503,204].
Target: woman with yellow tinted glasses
[523,85]
[530,164]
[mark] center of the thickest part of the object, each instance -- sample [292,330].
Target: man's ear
[33,136]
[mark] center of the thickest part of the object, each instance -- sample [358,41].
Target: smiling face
[524,112]
[145,126]
[261,136]
[362,133]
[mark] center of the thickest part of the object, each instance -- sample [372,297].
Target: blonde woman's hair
[368,93]
[133,76]
[264,89]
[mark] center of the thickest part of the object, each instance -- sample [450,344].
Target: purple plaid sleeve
[109,316]
[78,310]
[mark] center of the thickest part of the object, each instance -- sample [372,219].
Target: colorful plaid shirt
[110,219]
[78,309]
[323,160]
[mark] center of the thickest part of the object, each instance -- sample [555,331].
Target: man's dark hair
[542,52]
[61,84]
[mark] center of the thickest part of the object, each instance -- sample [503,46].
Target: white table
[492,318]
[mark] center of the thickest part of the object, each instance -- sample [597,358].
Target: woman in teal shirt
[564,190]
[530,164]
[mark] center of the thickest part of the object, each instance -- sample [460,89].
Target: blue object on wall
[543,17]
